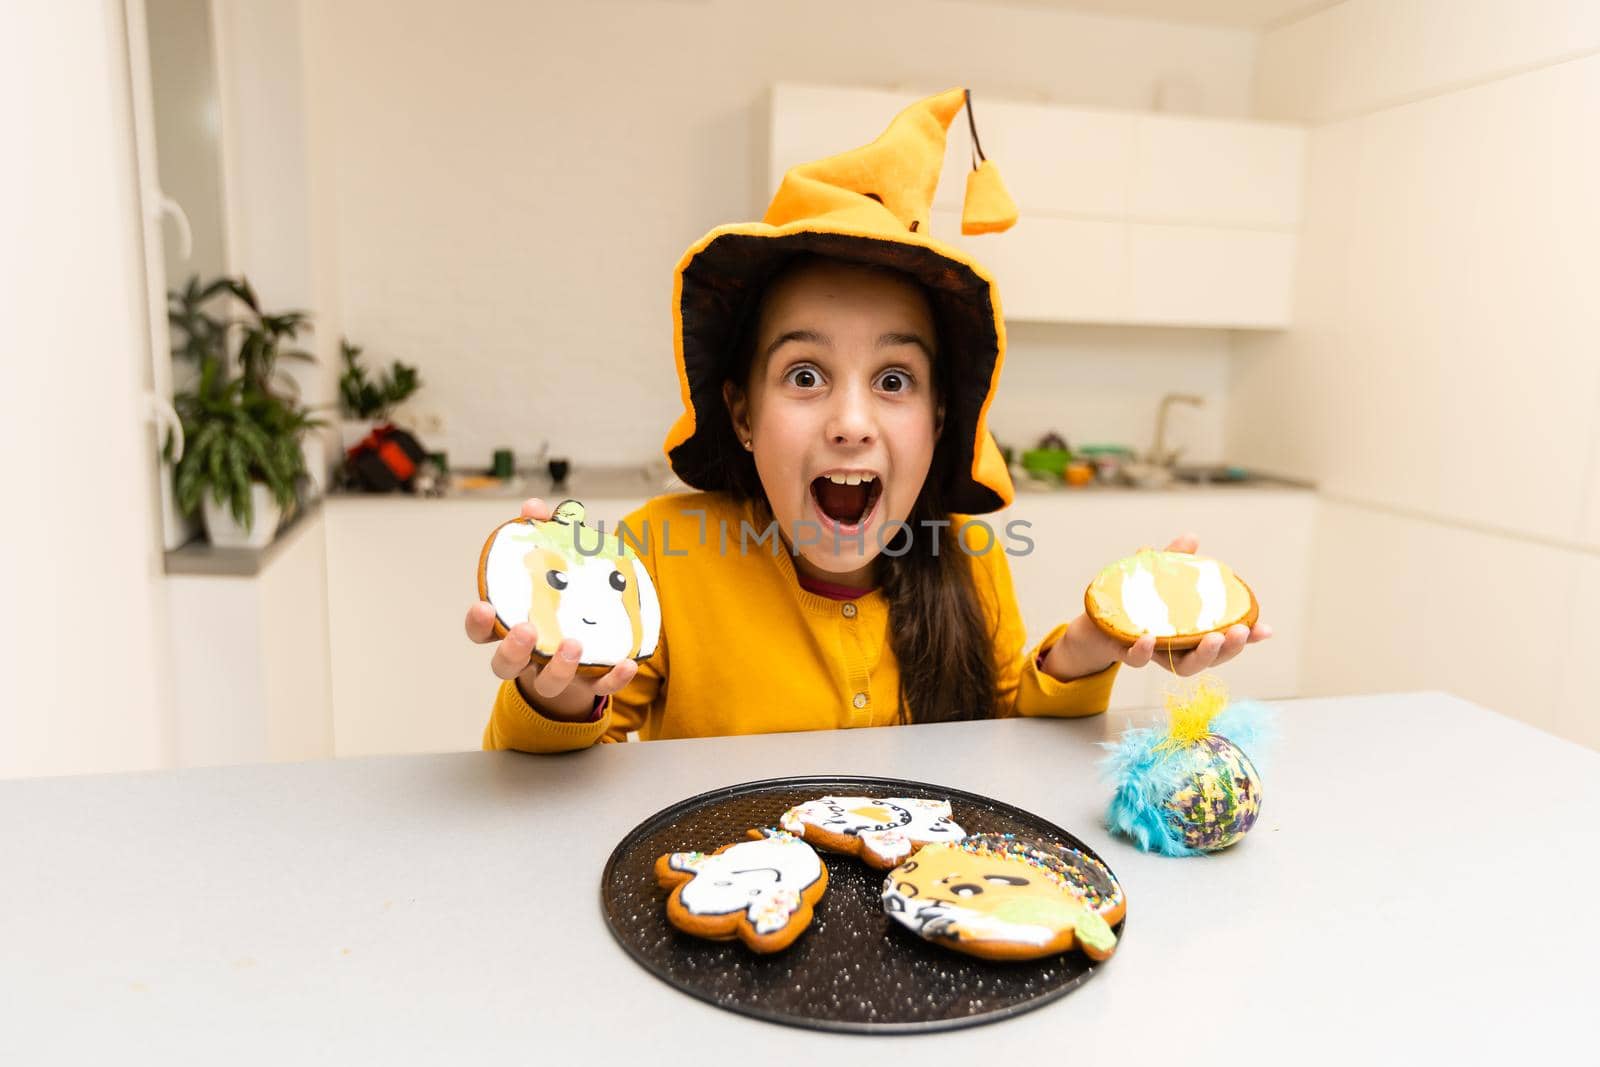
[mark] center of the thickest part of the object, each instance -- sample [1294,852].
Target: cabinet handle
[165,416]
[174,210]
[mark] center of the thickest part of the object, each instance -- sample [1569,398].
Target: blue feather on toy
[1193,785]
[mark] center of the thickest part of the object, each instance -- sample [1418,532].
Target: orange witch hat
[869,205]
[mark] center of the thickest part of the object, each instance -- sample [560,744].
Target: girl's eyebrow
[890,339]
[807,336]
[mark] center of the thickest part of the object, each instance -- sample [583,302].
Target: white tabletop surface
[1422,886]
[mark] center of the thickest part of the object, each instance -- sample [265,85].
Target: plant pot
[353,431]
[224,532]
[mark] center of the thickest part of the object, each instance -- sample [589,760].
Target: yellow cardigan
[745,650]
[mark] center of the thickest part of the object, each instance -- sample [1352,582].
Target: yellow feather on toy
[1189,714]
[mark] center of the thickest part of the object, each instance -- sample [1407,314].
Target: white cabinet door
[1125,217]
[1215,172]
[1202,276]
[1052,269]
[1056,160]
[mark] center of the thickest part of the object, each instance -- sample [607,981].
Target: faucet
[1159,455]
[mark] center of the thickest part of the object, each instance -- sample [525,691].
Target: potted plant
[366,402]
[243,422]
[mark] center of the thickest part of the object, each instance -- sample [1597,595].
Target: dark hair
[944,647]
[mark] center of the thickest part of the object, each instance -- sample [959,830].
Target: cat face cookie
[882,832]
[761,891]
[1004,897]
[570,581]
[1175,596]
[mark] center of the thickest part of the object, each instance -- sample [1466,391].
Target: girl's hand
[1085,649]
[554,689]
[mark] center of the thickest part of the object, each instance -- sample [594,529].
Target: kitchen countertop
[201,559]
[646,480]
[1419,889]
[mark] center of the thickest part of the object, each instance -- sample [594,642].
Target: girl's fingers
[1201,657]
[535,508]
[1185,542]
[512,656]
[480,622]
[616,678]
[1260,632]
[1233,641]
[1141,652]
[555,676]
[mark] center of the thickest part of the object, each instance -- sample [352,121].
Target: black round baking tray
[854,970]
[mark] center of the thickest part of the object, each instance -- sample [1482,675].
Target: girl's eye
[805,377]
[894,382]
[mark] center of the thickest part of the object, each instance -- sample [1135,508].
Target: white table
[1422,884]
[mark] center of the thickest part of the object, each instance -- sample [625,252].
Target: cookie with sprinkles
[762,891]
[882,831]
[1006,897]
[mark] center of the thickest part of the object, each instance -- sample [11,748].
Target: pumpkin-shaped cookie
[1175,596]
[570,580]
[1005,897]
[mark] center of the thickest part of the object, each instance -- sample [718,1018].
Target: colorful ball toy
[1192,786]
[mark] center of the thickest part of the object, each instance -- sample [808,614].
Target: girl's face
[840,412]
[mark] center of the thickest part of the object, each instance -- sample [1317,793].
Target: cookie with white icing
[762,891]
[1176,596]
[570,580]
[880,831]
[1003,897]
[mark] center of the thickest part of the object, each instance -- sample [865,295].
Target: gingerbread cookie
[880,832]
[569,580]
[1009,898]
[1175,596]
[761,891]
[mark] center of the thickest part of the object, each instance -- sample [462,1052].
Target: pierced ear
[738,405]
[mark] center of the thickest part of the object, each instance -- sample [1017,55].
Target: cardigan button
[860,700]
[849,611]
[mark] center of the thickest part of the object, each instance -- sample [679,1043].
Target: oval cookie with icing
[570,580]
[1004,897]
[880,831]
[1175,596]
[762,891]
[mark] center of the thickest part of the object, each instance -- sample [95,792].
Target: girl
[837,365]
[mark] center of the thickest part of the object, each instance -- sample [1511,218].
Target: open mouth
[847,499]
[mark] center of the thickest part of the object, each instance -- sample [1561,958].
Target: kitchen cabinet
[401,573]
[1126,217]
[249,644]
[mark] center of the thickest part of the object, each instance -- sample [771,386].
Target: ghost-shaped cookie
[761,891]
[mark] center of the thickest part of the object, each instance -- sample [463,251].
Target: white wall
[282,234]
[83,683]
[1442,383]
[516,181]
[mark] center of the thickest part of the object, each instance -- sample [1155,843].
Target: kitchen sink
[1214,475]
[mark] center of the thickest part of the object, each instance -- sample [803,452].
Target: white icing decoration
[937,918]
[1149,613]
[1143,604]
[911,820]
[1213,594]
[764,879]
